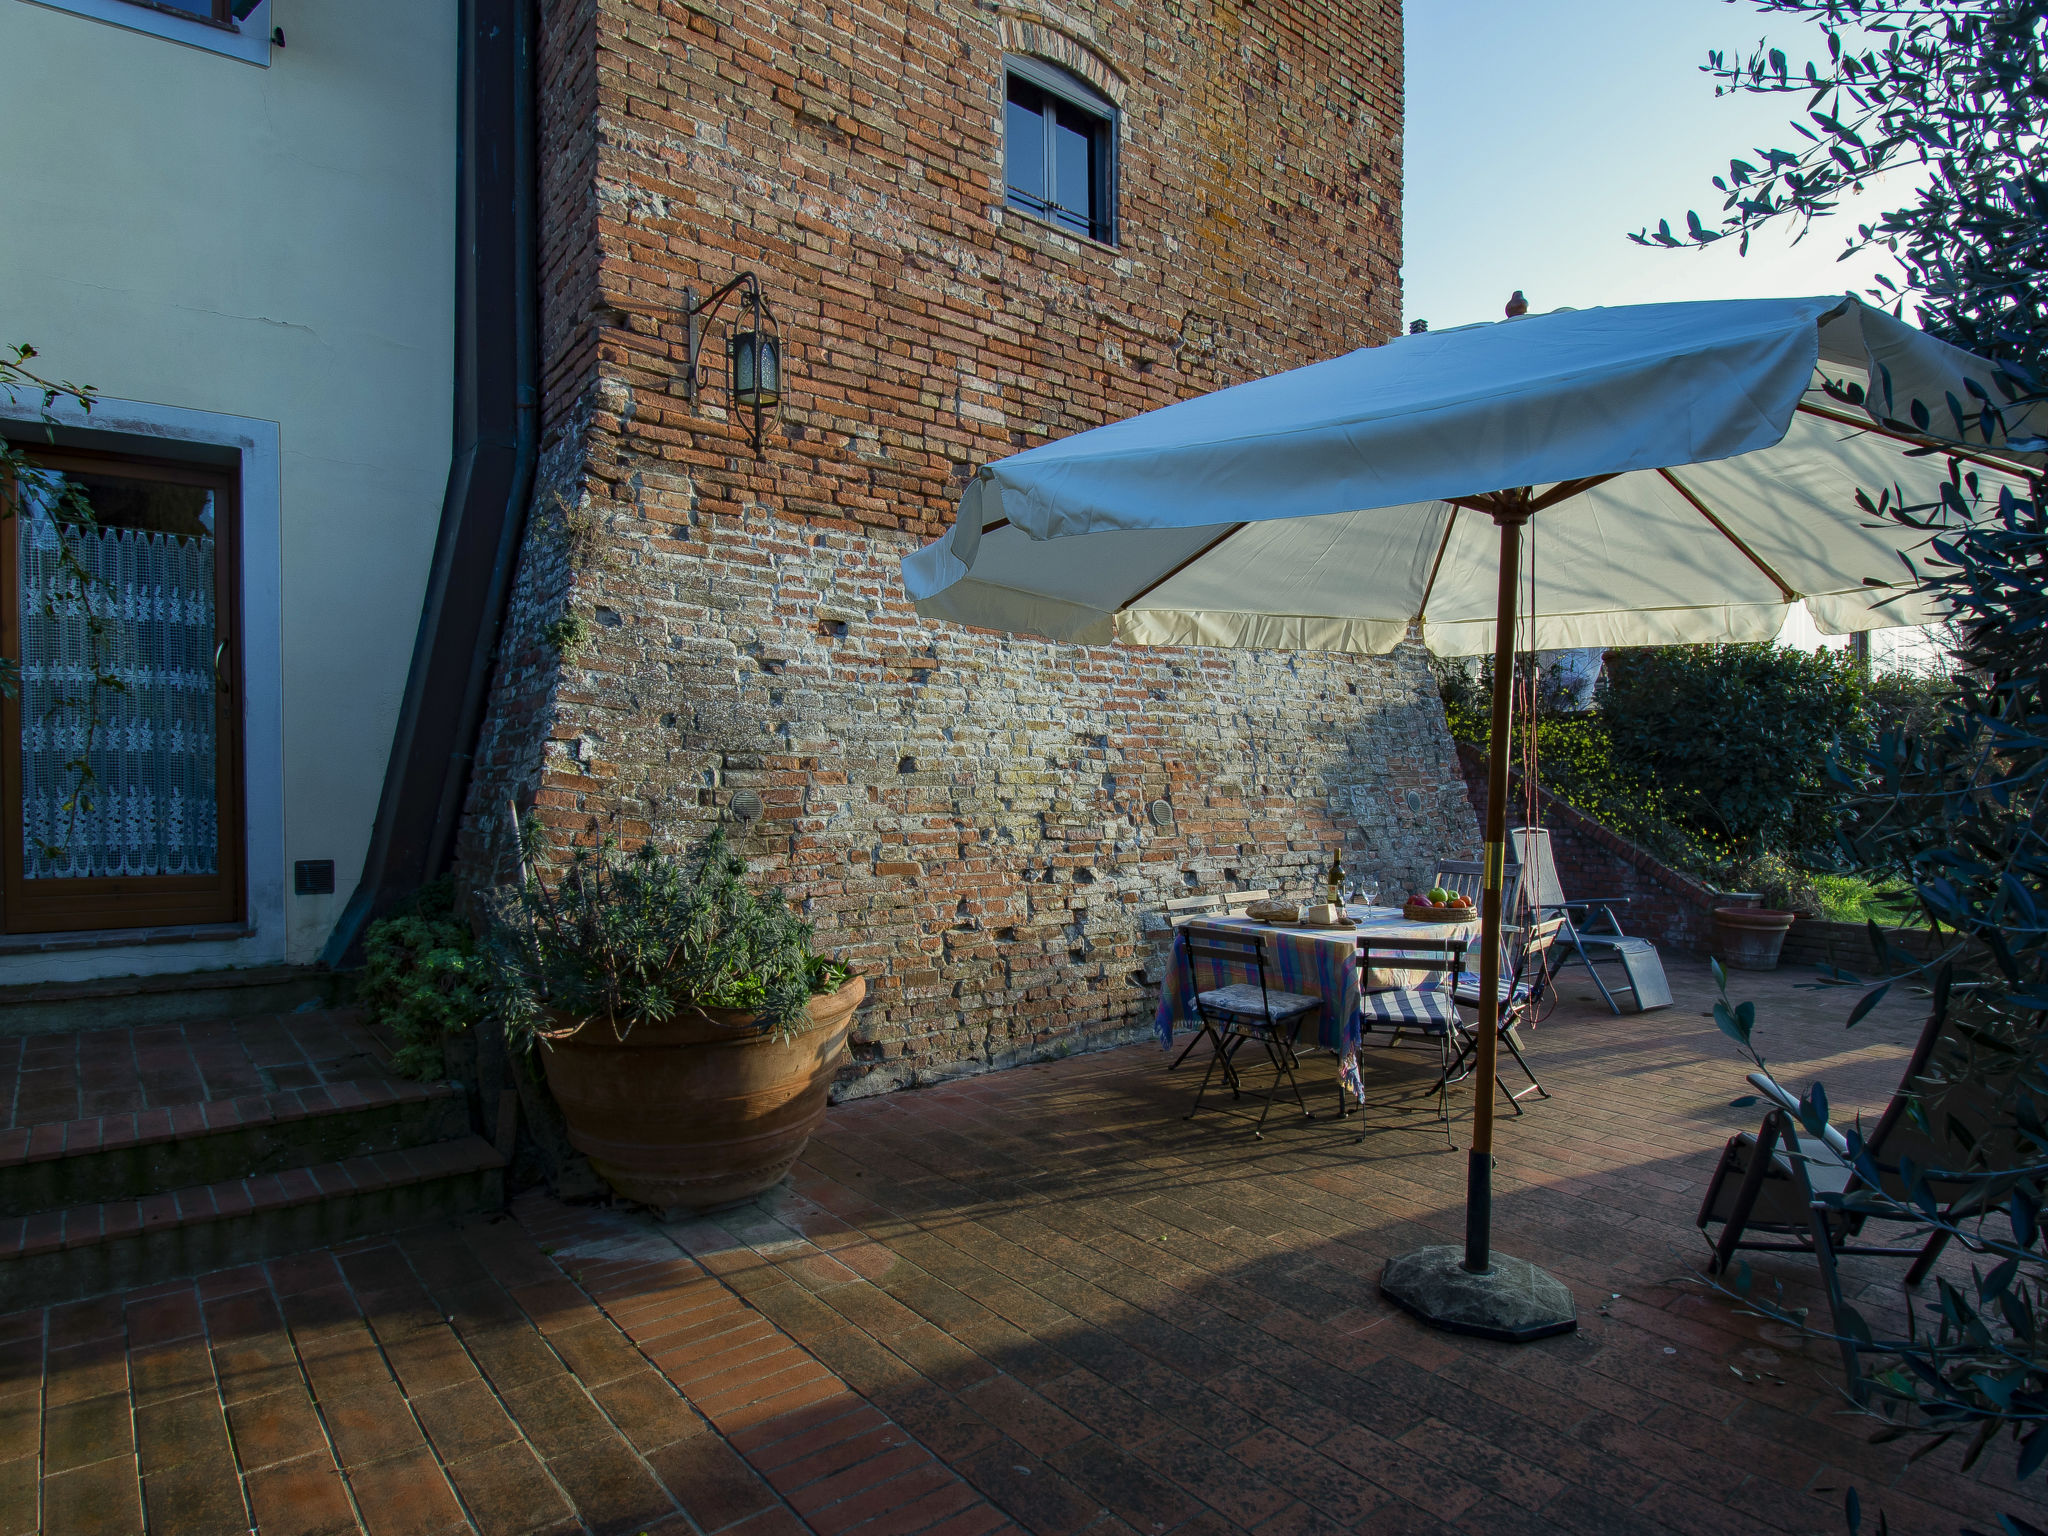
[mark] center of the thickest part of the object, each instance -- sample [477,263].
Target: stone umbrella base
[1513,1300]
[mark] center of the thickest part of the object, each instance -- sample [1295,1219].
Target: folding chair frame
[1227,1038]
[1830,1234]
[1410,954]
[1187,909]
[1518,1005]
[1576,937]
[1468,878]
[1529,847]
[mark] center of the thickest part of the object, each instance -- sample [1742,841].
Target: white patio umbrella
[1689,471]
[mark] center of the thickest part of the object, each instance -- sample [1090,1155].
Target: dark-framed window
[1059,148]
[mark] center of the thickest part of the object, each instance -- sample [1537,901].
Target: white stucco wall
[277,243]
[1907,648]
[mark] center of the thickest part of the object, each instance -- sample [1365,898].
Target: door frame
[252,446]
[134,901]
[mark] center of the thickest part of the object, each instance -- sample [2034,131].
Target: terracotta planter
[701,1111]
[1749,938]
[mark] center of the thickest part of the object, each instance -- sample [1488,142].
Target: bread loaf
[1273,912]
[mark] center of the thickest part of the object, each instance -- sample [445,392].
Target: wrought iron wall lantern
[753,349]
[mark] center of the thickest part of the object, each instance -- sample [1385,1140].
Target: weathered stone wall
[698,635]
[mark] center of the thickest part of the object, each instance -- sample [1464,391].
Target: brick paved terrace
[1037,1300]
[1103,1315]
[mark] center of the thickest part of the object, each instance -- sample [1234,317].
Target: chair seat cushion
[1430,1009]
[1468,989]
[1242,1001]
[1621,943]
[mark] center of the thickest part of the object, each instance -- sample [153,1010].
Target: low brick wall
[1816,941]
[1666,906]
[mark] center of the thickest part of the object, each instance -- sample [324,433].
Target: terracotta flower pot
[1749,938]
[703,1110]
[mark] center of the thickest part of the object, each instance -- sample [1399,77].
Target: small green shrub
[421,978]
[567,635]
[629,938]
[1914,703]
[1778,884]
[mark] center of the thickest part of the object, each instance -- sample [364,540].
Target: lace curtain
[116,781]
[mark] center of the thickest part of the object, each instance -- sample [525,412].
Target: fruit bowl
[1428,912]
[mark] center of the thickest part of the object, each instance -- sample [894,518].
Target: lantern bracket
[756,308]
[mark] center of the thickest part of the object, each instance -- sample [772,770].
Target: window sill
[249,41]
[1022,224]
[178,13]
[120,938]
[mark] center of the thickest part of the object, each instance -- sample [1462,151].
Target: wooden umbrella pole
[1510,510]
[1492,1295]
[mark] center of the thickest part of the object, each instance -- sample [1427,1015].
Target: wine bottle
[1336,878]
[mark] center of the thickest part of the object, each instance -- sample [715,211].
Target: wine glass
[1367,891]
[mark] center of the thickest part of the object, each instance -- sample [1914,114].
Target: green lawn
[1856,899]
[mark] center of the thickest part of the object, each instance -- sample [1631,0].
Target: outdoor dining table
[1320,962]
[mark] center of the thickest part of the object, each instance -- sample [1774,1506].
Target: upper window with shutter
[1059,148]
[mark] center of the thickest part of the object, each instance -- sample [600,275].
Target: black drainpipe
[490,477]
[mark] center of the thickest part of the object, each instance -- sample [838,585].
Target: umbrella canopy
[1318,509]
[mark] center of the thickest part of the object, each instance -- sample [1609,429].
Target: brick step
[182,997]
[91,1248]
[70,1164]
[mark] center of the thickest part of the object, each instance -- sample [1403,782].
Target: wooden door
[120,751]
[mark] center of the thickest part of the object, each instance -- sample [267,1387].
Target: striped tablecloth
[1320,962]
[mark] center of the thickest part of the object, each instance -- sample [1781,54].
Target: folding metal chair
[1183,910]
[1521,991]
[1430,1008]
[1467,877]
[1592,934]
[1234,1012]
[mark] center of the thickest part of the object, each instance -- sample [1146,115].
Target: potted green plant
[687,1028]
[1751,938]
[419,981]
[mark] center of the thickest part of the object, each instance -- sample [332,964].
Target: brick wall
[697,635]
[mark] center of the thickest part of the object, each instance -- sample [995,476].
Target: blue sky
[1541,131]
